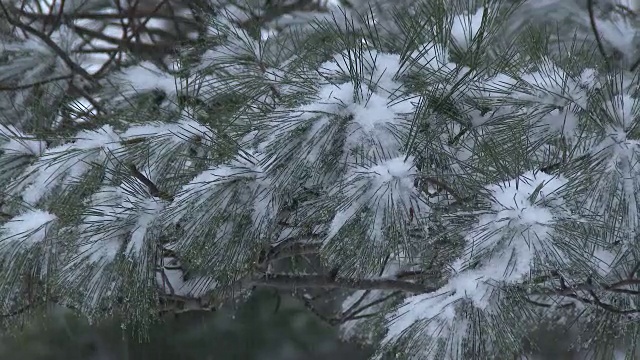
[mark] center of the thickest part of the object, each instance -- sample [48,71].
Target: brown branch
[96,105]
[602,305]
[126,39]
[25,308]
[590,287]
[135,47]
[346,316]
[409,274]
[356,304]
[291,249]
[165,281]
[307,304]
[275,12]
[354,308]
[555,166]
[138,14]
[444,186]
[153,189]
[537,303]
[49,42]
[41,82]
[592,20]
[58,18]
[319,281]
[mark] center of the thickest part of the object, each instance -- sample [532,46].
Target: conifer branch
[153,189]
[37,83]
[287,281]
[352,313]
[49,42]
[594,28]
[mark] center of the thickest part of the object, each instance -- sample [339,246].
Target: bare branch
[592,20]
[41,82]
[47,40]
[320,281]
[350,315]
[153,189]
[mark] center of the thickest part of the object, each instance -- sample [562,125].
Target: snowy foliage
[458,186]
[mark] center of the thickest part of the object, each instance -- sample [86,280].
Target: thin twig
[444,186]
[52,45]
[41,82]
[592,19]
[320,281]
[351,315]
[153,189]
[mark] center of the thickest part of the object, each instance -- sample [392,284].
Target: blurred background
[263,328]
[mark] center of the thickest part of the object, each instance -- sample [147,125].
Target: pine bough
[461,187]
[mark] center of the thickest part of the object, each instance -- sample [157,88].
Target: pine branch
[594,28]
[444,186]
[351,315]
[314,310]
[286,281]
[590,287]
[153,189]
[47,40]
[18,311]
[37,83]
[128,14]
[290,248]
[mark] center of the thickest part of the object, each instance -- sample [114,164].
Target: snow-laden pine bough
[452,187]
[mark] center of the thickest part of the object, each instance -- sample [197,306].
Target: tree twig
[592,20]
[153,189]
[41,82]
[320,281]
[49,42]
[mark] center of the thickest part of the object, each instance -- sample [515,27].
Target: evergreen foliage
[460,172]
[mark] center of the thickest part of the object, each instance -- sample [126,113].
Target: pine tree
[456,174]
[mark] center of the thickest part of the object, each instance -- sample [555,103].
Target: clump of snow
[17,143]
[382,187]
[505,241]
[146,76]
[217,187]
[618,151]
[432,56]
[372,108]
[65,164]
[465,28]
[184,130]
[529,206]
[28,229]
[148,211]
[551,85]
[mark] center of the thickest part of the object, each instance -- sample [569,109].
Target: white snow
[432,56]
[465,28]
[382,187]
[506,240]
[217,186]
[18,143]
[181,131]
[376,111]
[146,76]
[28,228]
[65,164]
[148,210]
